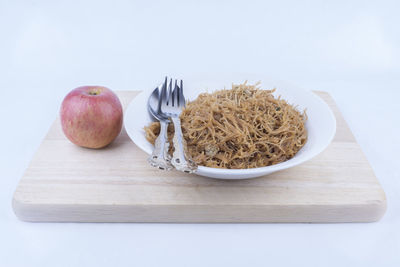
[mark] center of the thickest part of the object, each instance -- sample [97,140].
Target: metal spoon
[160,157]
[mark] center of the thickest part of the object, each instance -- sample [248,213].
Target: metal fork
[172,103]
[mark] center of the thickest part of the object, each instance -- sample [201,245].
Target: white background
[349,48]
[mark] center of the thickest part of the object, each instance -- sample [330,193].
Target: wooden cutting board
[67,183]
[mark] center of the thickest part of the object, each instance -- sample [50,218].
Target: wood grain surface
[67,183]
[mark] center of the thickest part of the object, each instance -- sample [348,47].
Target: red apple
[91,116]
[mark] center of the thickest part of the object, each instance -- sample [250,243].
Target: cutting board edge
[370,211]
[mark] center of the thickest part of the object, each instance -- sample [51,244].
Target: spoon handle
[160,157]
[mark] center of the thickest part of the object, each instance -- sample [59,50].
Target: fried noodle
[244,127]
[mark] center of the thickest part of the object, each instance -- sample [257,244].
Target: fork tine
[181,96]
[176,84]
[176,94]
[163,94]
[170,94]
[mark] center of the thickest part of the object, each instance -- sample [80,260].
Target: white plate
[321,125]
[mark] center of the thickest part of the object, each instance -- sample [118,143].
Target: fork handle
[180,158]
[160,157]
